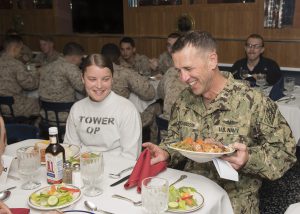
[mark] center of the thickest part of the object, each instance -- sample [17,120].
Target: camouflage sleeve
[143,66]
[73,75]
[140,85]
[27,80]
[173,136]
[274,153]
[161,88]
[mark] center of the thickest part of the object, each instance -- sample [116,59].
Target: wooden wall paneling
[6,20]
[230,51]
[62,16]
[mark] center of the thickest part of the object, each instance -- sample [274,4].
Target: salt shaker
[67,175]
[76,175]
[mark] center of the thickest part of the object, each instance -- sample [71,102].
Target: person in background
[103,121]
[61,79]
[26,53]
[165,61]
[126,80]
[255,63]
[49,54]
[14,79]
[130,59]
[229,112]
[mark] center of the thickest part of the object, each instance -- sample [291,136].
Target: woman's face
[97,82]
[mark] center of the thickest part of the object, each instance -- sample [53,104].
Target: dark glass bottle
[55,158]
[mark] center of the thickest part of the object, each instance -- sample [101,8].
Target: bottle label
[54,166]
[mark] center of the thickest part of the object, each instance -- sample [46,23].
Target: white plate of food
[201,151]
[70,149]
[54,197]
[184,200]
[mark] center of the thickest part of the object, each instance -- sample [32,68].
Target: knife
[120,181]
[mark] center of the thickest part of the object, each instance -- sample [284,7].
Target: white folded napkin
[225,170]
[6,161]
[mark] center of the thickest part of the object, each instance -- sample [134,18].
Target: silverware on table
[120,181]
[91,206]
[118,175]
[10,188]
[135,203]
[179,179]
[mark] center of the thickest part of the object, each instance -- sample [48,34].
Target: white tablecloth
[291,112]
[141,105]
[216,199]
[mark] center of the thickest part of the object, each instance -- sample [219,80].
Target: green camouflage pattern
[14,81]
[169,89]
[126,81]
[44,59]
[59,82]
[237,114]
[165,62]
[139,63]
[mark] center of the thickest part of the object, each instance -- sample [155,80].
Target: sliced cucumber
[52,200]
[173,205]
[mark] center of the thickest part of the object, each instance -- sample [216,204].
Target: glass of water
[91,170]
[155,195]
[289,85]
[261,80]
[29,162]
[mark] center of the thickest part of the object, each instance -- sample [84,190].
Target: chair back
[7,101]
[162,124]
[18,132]
[57,108]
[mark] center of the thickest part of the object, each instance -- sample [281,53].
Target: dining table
[216,199]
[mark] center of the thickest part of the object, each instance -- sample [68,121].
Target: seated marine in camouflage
[15,80]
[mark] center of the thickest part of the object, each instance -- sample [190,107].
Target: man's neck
[217,85]
[252,63]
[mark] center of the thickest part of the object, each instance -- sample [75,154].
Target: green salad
[182,198]
[54,196]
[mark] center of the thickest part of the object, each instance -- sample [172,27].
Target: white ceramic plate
[70,150]
[201,157]
[40,207]
[200,202]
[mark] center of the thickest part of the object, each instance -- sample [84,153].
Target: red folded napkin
[144,169]
[20,210]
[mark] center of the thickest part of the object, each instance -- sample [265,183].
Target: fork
[117,175]
[135,203]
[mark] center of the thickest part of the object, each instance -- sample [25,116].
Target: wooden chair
[18,132]
[56,108]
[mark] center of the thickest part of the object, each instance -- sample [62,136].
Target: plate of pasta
[201,151]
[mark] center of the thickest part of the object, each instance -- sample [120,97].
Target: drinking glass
[155,195]
[29,162]
[261,80]
[91,169]
[289,85]
[244,73]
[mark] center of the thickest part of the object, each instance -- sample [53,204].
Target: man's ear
[134,49]
[212,60]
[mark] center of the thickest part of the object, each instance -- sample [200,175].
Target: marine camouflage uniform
[165,61]
[237,114]
[44,59]
[126,81]
[169,89]
[59,82]
[14,79]
[140,63]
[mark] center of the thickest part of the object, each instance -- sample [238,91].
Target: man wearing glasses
[255,63]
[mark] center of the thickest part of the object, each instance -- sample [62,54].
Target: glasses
[256,46]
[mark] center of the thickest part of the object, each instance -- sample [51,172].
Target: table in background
[216,199]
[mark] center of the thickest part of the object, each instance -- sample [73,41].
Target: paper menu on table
[225,170]
[6,162]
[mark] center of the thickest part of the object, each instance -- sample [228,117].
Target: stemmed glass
[29,162]
[91,169]
[289,85]
[244,73]
[261,80]
[155,195]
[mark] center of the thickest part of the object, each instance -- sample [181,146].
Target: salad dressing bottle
[55,158]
